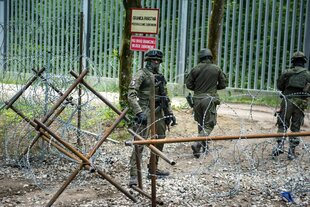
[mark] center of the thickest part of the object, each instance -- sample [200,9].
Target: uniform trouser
[291,116]
[205,115]
[160,128]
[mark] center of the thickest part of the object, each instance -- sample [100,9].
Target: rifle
[160,81]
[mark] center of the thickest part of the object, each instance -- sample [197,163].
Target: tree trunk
[126,55]
[215,27]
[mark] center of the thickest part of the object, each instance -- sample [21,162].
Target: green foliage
[102,115]
[10,81]
[10,117]
[111,87]
[256,98]
[29,111]
[115,54]
[120,135]
[106,116]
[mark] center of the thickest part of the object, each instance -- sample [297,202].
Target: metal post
[307,35]
[5,45]
[45,81]
[86,27]
[183,40]
[138,165]
[217,138]
[46,96]
[79,87]
[3,24]
[87,42]
[153,134]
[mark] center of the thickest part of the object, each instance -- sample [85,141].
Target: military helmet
[153,54]
[205,53]
[298,55]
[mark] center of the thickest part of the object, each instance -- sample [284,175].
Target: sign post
[145,21]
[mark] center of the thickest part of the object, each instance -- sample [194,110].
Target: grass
[246,97]
[101,118]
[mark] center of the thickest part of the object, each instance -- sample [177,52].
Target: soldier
[205,79]
[138,97]
[294,85]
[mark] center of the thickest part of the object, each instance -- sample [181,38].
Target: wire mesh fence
[257,37]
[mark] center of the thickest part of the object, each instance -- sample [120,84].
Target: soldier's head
[205,54]
[153,58]
[298,59]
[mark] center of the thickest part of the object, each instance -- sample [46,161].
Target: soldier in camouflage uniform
[293,84]
[205,79]
[138,97]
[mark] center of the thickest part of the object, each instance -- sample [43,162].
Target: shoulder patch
[133,82]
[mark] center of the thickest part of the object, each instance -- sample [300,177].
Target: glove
[141,118]
[170,120]
[189,99]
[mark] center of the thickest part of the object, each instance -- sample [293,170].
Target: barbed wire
[229,169]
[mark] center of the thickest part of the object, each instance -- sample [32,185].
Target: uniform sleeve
[133,89]
[222,81]
[307,87]
[190,80]
[169,100]
[308,76]
[281,82]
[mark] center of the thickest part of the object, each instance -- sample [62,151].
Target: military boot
[196,149]
[162,172]
[159,173]
[291,153]
[205,147]
[279,149]
[133,180]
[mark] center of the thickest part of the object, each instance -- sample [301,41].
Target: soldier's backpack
[298,80]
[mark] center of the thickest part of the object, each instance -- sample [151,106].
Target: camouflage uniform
[138,97]
[294,102]
[205,79]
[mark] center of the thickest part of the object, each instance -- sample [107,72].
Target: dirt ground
[234,173]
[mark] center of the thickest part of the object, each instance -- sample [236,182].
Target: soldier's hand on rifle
[189,99]
[141,118]
[170,120]
[277,113]
[174,120]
